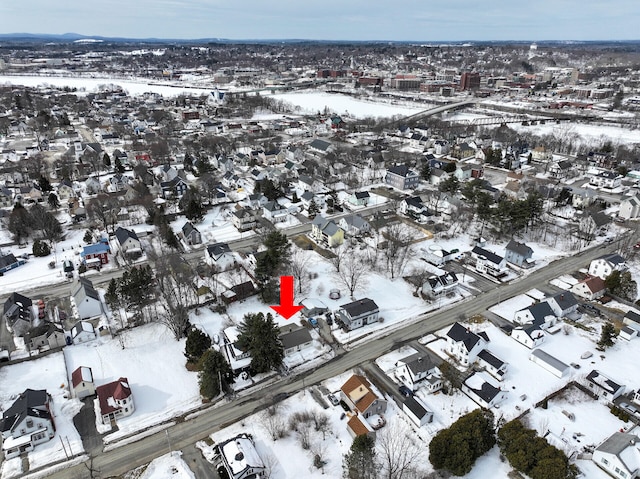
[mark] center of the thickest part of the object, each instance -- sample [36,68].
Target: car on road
[4,355]
[333,400]
[405,391]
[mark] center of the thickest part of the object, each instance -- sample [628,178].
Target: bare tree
[339,253]
[272,421]
[303,432]
[397,450]
[177,289]
[299,267]
[398,249]
[353,272]
[270,462]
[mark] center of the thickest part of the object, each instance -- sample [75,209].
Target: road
[185,433]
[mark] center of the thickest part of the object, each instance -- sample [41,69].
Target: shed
[548,362]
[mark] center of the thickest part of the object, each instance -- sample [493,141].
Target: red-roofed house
[82,384]
[357,394]
[358,426]
[591,288]
[115,400]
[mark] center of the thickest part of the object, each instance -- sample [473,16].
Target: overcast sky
[412,20]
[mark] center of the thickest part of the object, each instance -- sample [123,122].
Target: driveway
[198,464]
[85,422]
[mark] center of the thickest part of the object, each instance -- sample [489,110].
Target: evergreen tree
[106,159]
[44,184]
[360,462]
[88,237]
[313,209]
[54,202]
[112,296]
[215,373]
[41,248]
[118,166]
[271,264]
[20,223]
[425,172]
[260,335]
[187,162]
[191,204]
[196,345]
[450,185]
[606,336]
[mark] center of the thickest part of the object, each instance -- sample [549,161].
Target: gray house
[18,313]
[191,234]
[358,313]
[401,177]
[519,254]
[294,338]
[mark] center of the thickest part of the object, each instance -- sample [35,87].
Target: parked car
[334,294]
[405,391]
[333,400]
[629,408]
[313,322]
[4,355]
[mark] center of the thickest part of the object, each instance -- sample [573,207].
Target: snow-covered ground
[170,465]
[47,373]
[159,393]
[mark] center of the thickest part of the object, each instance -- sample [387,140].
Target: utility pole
[166,431]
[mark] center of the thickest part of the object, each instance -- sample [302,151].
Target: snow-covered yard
[170,465]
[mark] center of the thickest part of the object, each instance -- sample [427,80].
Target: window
[604,461]
[29,423]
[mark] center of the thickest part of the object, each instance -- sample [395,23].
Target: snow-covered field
[47,373]
[170,465]
[159,393]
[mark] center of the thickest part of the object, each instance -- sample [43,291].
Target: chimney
[420,359]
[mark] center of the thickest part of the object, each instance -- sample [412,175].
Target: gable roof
[418,363]
[520,249]
[540,311]
[491,256]
[415,407]
[359,307]
[188,228]
[31,403]
[218,249]
[122,234]
[117,390]
[292,335]
[319,144]
[459,333]
[603,381]
[565,300]
[81,374]
[613,258]
[400,170]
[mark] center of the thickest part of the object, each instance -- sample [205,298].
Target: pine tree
[112,296]
[313,209]
[360,462]
[54,202]
[44,184]
[215,373]
[106,159]
[20,223]
[41,248]
[606,336]
[260,335]
[118,166]
[88,237]
[196,345]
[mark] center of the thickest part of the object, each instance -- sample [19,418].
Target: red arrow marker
[286,308]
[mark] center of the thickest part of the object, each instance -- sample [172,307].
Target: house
[603,386]
[629,208]
[82,332]
[8,262]
[354,225]
[632,319]
[115,400]
[18,313]
[605,265]
[294,338]
[174,188]
[220,256]
[416,411]
[563,304]
[606,179]
[548,362]
[463,344]
[488,262]
[240,458]
[412,206]
[619,455]
[65,190]
[419,369]
[519,254]
[275,212]
[190,234]
[359,198]
[589,288]
[129,243]
[312,307]
[539,314]
[492,364]
[401,177]
[238,359]
[358,313]
[359,396]
[86,298]
[27,423]
[531,336]
[438,285]
[321,146]
[326,231]
[482,391]
[593,224]
[82,384]
[98,252]
[244,219]
[45,336]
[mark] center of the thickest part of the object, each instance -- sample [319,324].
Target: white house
[539,314]
[603,386]
[629,208]
[82,384]
[82,332]
[619,455]
[275,212]
[416,411]
[482,391]
[488,262]
[27,423]
[358,313]
[606,179]
[220,256]
[86,298]
[492,364]
[465,345]
[114,400]
[294,338]
[129,243]
[240,458]
[605,265]
[589,288]
[530,336]
[563,304]
[419,370]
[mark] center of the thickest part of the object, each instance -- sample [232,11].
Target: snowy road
[185,433]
